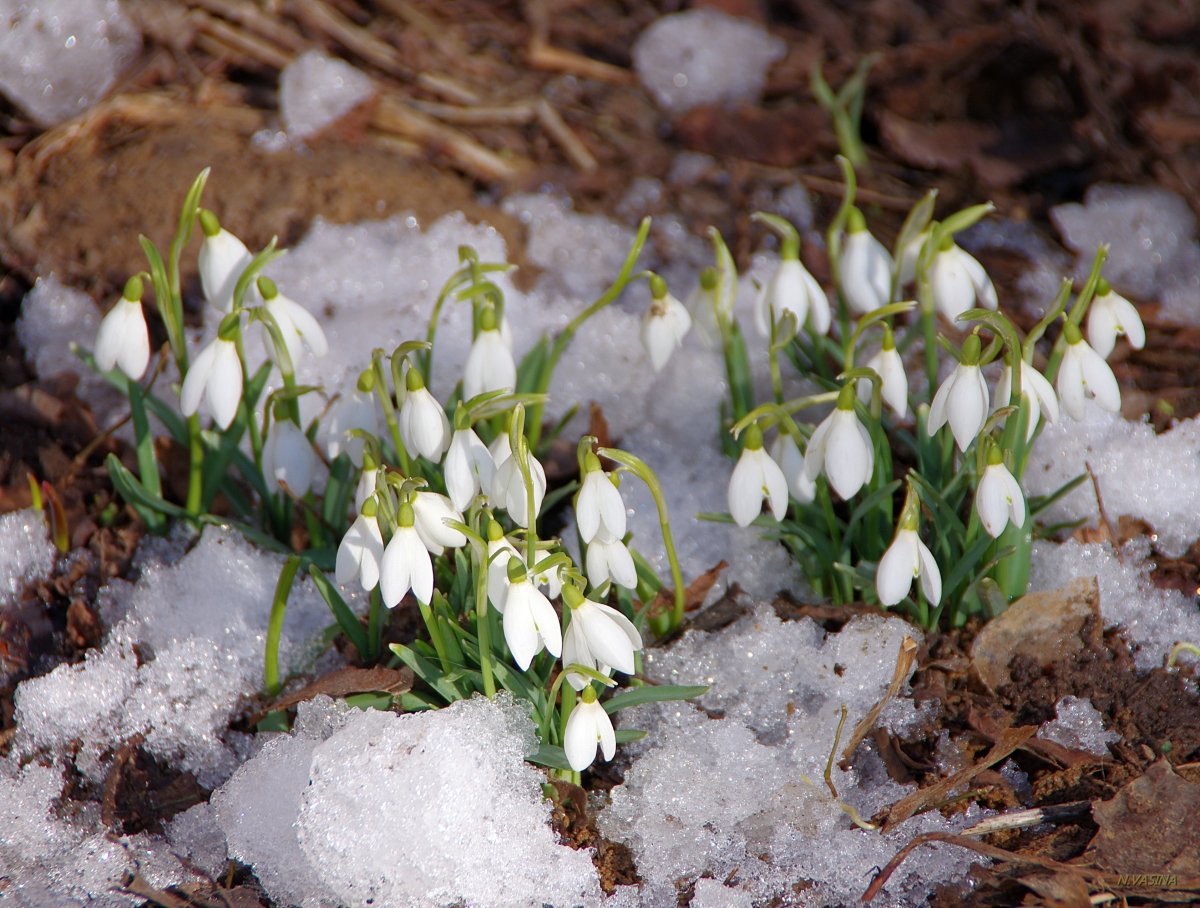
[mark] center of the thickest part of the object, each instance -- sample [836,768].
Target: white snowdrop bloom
[958,283]
[598,506]
[358,411]
[360,553]
[609,559]
[490,365]
[889,366]
[1110,316]
[512,493]
[598,637]
[288,457]
[123,339]
[998,498]
[1037,393]
[530,623]
[755,477]
[864,268]
[905,559]
[365,488]
[962,399]
[296,325]
[424,428]
[702,306]
[431,510]
[1083,373]
[792,289]
[215,375]
[663,328]
[501,450]
[588,728]
[406,564]
[841,448]
[786,453]
[468,468]
[223,258]
[499,553]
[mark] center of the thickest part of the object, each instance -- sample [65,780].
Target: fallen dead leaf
[1150,826]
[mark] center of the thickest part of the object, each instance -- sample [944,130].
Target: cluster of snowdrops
[440,501]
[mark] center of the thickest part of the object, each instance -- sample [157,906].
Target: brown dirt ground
[1024,104]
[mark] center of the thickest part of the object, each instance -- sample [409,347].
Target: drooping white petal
[489,366]
[297,327]
[755,477]
[865,272]
[1110,316]
[930,573]
[1099,380]
[430,513]
[468,468]
[288,457]
[196,379]
[985,290]
[424,428]
[998,499]
[223,258]
[609,559]
[608,639]
[814,455]
[530,623]
[360,553]
[599,505]
[958,282]
[889,366]
[664,326]
[588,726]
[124,340]
[819,316]
[224,389]
[967,407]
[786,453]
[1070,383]
[897,568]
[500,552]
[849,455]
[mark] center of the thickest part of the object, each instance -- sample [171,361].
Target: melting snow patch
[315,90]
[1079,725]
[26,552]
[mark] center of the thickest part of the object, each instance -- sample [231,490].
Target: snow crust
[59,57]
[26,552]
[1079,725]
[316,90]
[703,56]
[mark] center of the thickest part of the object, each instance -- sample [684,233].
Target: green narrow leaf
[652,693]
[346,619]
[283,589]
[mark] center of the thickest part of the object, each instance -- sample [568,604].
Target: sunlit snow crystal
[704,57]
[316,90]
[26,552]
[58,57]
[1079,725]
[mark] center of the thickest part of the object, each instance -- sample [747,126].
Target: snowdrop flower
[864,268]
[962,399]
[905,559]
[598,506]
[1110,316]
[1083,373]
[958,282]
[296,325]
[1039,397]
[424,428]
[530,622]
[367,481]
[123,339]
[358,411]
[430,513]
[998,497]
[361,551]
[588,728]
[664,324]
[702,305]
[468,467]
[216,375]
[598,637]
[786,453]
[841,448]
[499,553]
[406,564]
[490,365]
[288,458]
[888,365]
[223,258]
[511,492]
[755,477]
[792,289]
[609,559]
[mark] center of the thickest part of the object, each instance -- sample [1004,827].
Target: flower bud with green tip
[588,728]
[223,258]
[406,564]
[1083,373]
[864,267]
[123,339]
[962,399]
[906,559]
[841,448]
[664,325]
[755,477]
[424,428]
[998,497]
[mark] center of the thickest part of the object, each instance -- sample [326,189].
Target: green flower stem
[1078,310]
[435,635]
[195,493]
[375,624]
[833,241]
[483,622]
[789,237]
[564,337]
[384,396]
[643,472]
[283,589]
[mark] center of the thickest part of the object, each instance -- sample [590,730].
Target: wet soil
[1025,105]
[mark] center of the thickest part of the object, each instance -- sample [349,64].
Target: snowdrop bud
[792,289]
[598,506]
[958,282]
[490,365]
[361,551]
[216,376]
[296,325]
[841,448]
[962,399]
[1083,373]
[288,458]
[864,268]
[530,622]
[755,477]
[123,339]
[424,428]
[588,728]
[406,564]
[664,324]
[598,637]
[889,366]
[1110,316]
[998,498]
[906,559]
[223,258]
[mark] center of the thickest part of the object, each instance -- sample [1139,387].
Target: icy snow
[316,90]
[1079,725]
[703,56]
[59,57]
[28,553]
